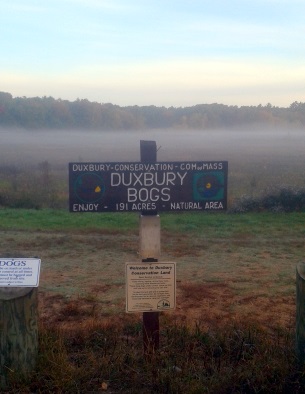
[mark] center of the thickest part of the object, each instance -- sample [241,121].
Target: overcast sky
[155,52]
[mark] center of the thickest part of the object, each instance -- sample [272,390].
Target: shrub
[282,200]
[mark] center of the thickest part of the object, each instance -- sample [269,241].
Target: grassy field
[232,330]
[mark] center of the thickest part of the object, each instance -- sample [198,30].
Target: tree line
[49,113]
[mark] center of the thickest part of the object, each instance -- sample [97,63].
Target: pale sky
[155,52]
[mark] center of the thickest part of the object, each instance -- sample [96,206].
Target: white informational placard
[150,287]
[19,272]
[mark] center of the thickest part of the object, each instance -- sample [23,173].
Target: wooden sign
[135,186]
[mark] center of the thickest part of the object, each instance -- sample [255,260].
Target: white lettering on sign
[213,205]
[200,167]
[142,206]
[143,167]
[85,207]
[144,194]
[185,205]
[91,167]
[147,179]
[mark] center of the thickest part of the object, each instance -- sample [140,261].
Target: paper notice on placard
[19,272]
[150,287]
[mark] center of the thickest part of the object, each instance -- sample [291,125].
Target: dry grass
[84,351]
[232,331]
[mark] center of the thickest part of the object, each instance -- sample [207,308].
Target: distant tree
[46,112]
[5,104]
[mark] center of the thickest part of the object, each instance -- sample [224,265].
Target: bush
[33,187]
[282,200]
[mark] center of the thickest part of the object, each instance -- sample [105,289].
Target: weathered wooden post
[300,312]
[18,318]
[19,332]
[149,219]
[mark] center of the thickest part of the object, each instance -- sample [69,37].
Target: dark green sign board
[135,186]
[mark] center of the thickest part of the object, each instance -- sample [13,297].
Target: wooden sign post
[300,312]
[19,334]
[149,187]
[149,253]
[18,317]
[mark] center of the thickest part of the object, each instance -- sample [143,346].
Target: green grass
[211,224]
[226,225]
[52,220]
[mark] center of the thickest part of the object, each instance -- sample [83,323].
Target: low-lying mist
[61,147]
[258,160]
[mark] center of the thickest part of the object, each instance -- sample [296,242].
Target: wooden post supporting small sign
[19,278]
[18,333]
[148,154]
[300,312]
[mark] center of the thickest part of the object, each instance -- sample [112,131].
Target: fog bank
[61,147]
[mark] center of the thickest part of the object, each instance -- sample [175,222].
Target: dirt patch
[217,304]
[179,246]
[209,305]
[76,314]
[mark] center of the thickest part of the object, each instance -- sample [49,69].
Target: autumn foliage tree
[48,113]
